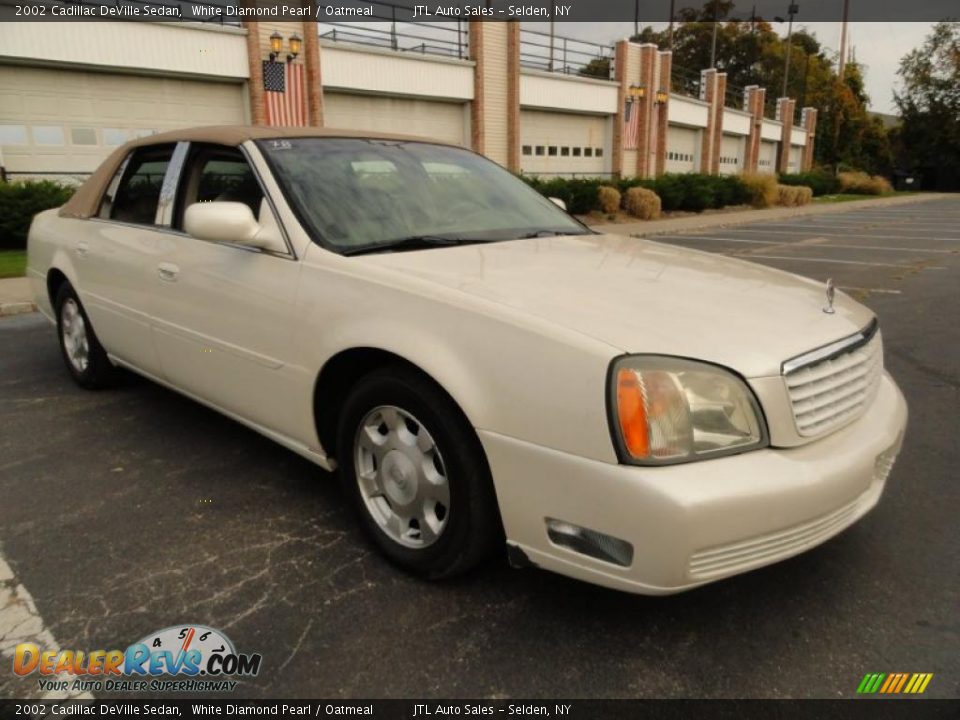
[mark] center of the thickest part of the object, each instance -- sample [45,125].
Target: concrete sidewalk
[739,217]
[15,296]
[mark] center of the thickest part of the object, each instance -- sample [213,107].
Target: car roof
[85,202]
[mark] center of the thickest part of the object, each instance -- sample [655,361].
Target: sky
[878,45]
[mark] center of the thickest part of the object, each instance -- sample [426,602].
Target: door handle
[168,272]
[82,247]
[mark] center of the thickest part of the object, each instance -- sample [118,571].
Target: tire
[399,494]
[84,356]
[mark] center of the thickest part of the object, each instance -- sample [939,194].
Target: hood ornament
[831,292]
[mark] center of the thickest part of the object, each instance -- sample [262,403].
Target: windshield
[356,194]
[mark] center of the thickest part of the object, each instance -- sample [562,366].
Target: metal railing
[570,56]
[392,27]
[684,81]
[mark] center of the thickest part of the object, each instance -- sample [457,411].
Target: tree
[751,52]
[929,101]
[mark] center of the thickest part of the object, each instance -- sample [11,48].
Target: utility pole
[670,32]
[713,42]
[792,10]
[636,18]
[843,40]
[550,64]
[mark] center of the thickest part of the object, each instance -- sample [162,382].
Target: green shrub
[579,194]
[20,201]
[820,180]
[761,189]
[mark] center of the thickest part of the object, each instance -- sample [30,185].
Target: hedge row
[20,201]
[820,180]
[688,191]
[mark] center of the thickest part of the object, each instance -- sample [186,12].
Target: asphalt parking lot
[131,510]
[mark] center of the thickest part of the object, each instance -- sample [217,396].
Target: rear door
[116,255]
[224,312]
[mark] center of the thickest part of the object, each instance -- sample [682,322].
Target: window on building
[134,193]
[528,149]
[83,136]
[565,151]
[114,136]
[598,152]
[48,135]
[13,135]
[552,151]
[539,149]
[588,152]
[576,151]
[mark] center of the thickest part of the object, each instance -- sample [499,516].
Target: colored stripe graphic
[894,683]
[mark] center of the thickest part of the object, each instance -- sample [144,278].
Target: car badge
[831,292]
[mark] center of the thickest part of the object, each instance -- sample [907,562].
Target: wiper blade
[548,233]
[413,242]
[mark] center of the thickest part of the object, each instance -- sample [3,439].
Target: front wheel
[416,473]
[83,354]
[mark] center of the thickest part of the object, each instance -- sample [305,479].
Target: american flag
[283,84]
[631,126]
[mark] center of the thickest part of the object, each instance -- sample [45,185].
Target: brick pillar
[493,101]
[644,105]
[314,80]
[513,96]
[258,112]
[666,65]
[810,128]
[719,101]
[620,75]
[708,92]
[754,98]
[785,116]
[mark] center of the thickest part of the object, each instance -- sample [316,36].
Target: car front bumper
[695,523]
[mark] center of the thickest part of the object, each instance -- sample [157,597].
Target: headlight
[668,410]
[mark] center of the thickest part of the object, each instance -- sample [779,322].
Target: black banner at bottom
[865,709]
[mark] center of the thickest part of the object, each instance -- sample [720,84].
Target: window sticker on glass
[280,145]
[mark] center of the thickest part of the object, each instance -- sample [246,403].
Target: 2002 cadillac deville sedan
[475,361]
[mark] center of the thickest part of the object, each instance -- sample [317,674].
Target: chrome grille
[827,392]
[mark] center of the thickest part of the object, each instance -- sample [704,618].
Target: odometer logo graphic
[189,650]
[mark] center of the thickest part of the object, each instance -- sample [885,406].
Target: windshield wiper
[548,233]
[413,242]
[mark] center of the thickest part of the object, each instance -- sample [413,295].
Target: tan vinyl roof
[86,200]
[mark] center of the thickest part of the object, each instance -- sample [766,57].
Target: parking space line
[798,242]
[19,623]
[883,291]
[871,236]
[825,260]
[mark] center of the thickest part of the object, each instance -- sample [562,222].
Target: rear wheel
[416,474]
[83,354]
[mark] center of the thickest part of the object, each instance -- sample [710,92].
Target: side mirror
[221,221]
[559,203]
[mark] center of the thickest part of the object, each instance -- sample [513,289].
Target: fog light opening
[591,543]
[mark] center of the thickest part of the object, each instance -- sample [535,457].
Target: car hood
[645,297]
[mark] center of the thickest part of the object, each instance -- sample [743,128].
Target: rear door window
[135,197]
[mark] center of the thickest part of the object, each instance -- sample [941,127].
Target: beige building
[70,92]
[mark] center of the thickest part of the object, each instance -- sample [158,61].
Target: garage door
[796,153]
[67,121]
[731,154]
[554,143]
[445,121]
[767,162]
[683,149]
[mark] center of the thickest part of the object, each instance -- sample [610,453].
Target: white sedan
[478,365]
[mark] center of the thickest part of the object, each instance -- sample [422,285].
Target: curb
[16,308]
[719,220]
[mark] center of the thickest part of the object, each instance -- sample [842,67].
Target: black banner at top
[642,11]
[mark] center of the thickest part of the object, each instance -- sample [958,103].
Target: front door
[223,312]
